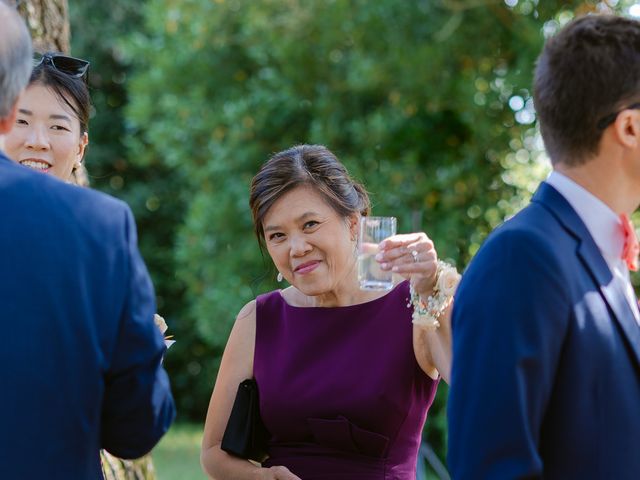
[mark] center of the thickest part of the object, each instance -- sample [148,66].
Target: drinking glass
[372,231]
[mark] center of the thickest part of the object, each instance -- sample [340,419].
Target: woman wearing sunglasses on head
[51,136]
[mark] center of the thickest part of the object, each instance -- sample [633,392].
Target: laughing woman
[345,378]
[50,135]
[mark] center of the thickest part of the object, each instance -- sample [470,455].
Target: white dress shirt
[605,227]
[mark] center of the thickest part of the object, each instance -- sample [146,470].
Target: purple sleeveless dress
[340,389]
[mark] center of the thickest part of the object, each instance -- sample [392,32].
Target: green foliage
[155,191]
[427,102]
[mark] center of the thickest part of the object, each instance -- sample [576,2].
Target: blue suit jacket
[79,351]
[546,356]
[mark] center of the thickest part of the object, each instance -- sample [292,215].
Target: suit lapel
[594,263]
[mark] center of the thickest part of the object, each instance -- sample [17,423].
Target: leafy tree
[153,190]
[427,102]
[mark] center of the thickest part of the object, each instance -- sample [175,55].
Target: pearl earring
[279,277]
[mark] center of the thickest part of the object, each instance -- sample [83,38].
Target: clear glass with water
[372,231]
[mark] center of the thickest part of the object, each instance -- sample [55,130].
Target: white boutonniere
[162,325]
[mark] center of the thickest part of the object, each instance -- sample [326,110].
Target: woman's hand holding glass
[413,256]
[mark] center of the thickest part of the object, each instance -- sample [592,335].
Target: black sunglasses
[74,67]
[609,119]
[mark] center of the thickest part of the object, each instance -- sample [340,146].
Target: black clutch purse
[246,435]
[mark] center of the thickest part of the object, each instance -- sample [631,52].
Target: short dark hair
[312,165]
[587,71]
[71,90]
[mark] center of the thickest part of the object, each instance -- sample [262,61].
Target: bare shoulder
[237,359]
[247,314]
[244,328]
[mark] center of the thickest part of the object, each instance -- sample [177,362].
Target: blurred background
[427,102]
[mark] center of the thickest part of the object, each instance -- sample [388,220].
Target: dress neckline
[355,305]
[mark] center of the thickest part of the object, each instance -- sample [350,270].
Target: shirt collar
[603,223]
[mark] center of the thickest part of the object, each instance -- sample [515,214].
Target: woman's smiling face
[46,136]
[309,242]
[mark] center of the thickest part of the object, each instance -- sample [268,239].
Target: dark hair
[586,72]
[312,165]
[72,90]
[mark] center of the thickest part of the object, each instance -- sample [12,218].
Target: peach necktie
[631,247]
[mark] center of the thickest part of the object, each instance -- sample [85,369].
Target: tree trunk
[48,21]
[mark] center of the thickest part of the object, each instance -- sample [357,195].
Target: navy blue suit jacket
[80,355]
[546,356]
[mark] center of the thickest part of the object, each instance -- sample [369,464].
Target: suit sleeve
[138,407]
[509,320]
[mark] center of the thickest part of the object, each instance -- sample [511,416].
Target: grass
[177,456]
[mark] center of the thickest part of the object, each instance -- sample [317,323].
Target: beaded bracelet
[426,314]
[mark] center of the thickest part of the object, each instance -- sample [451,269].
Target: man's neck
[606,182]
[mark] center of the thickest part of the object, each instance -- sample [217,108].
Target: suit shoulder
[87,212]
[99,202]
[527,258]
[93,209]
[23,184]
[530,245]
[533,227]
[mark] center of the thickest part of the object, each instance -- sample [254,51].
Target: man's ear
[627,128]
[7,123]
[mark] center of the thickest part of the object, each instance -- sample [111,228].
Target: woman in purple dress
[345,378]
